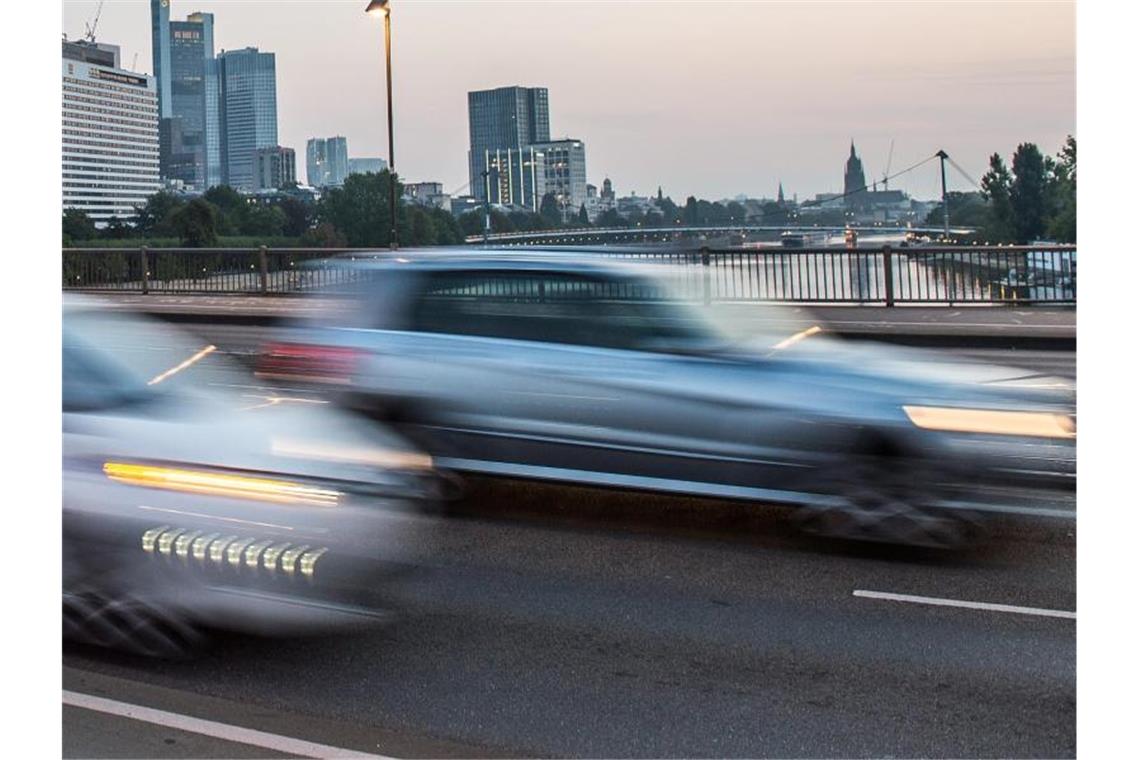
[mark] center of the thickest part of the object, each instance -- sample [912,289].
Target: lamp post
[384,7]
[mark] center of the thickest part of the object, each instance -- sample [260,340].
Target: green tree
[154,218]
[654,219]
[996,188]
[196,224]
[1063,189]
[447,230]
[117,229]
[774,214]
[692,213]
[298,216]
[550,210]
[583,216]
[610,218]
[324,235]
[77,226]
[669,210]
[360,211]
[966,210]
[1027,194]
[264,221]
[736,212]
[232,210]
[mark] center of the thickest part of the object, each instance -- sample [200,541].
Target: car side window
[544,306]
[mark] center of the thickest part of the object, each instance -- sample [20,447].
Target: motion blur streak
[794,339]
[393,459]
[1036,424]
[217,484]
[178,368]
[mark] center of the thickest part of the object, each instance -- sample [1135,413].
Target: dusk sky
[707,98]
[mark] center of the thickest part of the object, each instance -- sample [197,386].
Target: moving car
[603,371]
[193,499]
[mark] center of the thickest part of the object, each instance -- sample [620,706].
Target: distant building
[427,194]
[461,204]
[591,191]
[191,150]
[854,182]
[274,168]
[367,165]
[247,93]
[110,133]
[501,120]
[607,189]
[564,162]
[160,53]
[515,177]
[326,161]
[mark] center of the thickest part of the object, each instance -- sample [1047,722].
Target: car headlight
[992,421]
[226,484]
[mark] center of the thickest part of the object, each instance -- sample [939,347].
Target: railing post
[144,261]
[888,276]
[705,258]
[263,265]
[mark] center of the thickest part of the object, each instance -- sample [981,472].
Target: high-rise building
[110,133]
[247,97]
[366,165]
[504,119]
[427,194]
[274,168]
[326,161]
[564,162]
[191,150]
[160,53]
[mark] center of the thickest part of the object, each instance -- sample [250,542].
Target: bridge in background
[595,236]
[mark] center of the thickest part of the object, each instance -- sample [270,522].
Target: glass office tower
[507,118]
[247,87]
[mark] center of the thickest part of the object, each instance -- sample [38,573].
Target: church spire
[780,194]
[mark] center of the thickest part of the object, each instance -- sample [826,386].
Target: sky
[709,98]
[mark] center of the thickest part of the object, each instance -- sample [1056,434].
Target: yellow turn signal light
[993,422]
[220,484]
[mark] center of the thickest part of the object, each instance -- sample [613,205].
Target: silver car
[194,499]
[598,371]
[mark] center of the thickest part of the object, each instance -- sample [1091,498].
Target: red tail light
[301,361]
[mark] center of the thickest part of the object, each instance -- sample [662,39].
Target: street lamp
[384,7]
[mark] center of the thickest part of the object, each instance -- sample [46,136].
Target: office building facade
[366,166]
[515,177]
[274,168]
[247,97]
[564,165]
[191,144]
[503,119]
[110,133]
[326,161]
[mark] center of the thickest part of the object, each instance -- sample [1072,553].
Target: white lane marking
[968,605]
[224,731]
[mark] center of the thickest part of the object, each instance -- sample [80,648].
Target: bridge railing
[889,276]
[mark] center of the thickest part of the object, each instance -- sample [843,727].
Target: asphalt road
[520,637]
[531,631]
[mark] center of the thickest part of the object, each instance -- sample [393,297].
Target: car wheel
[891,500]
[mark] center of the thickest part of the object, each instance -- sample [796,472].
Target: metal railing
[889,276]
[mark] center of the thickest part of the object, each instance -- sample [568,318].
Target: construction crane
[887,171]
[90,36]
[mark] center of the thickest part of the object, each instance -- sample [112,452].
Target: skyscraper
[247,96]
[192,154]
[564,162]
[326,161]
[110,133]
[507,118]
[160,53]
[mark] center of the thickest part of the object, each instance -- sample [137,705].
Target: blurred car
[192,499]
[595,370]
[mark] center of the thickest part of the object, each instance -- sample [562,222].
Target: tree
[550,210]
[583,216]
[324,235]
[654,219]
[669,209]
[610,218]
[298,216]
[264,221]
[117,229]
[966,210]
[1027,193]
[359,209]
[996,188]
[1063,191]
[153,219]
[692,213]
[233,210]
[77,226]
[736,212]
[774,214]
[196,224]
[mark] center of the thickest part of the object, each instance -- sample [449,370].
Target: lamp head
[377,7]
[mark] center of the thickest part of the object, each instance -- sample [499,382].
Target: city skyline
[713,103]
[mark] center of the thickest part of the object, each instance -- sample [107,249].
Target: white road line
[968,605]
[222,731]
